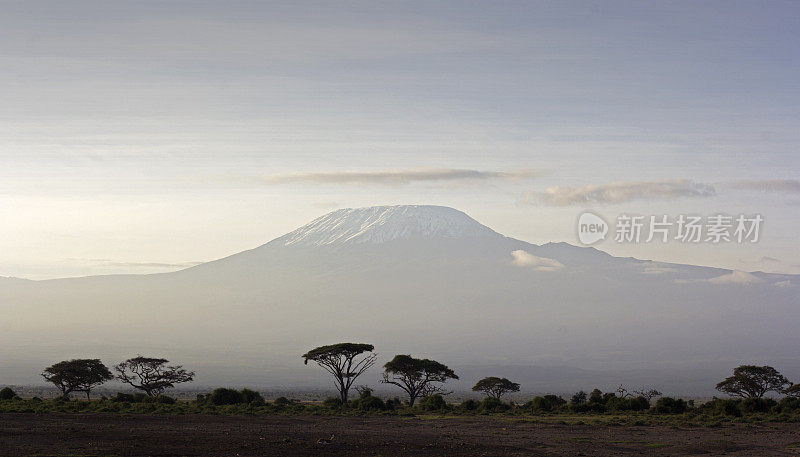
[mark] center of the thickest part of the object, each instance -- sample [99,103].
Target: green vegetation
[151,375]
[340,361]
[750,381]
[417,377]
[544,409]
[420,379]
[77,375]
[7,394]
[495,387]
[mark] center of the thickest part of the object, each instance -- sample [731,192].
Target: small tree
[750,381]
[579,398]
[417,377]
[648,394]
[622,392]
[7,394]
[339,361]
[495,387]
[77,375]
[152,375]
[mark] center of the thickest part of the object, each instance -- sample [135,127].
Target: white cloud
[620,192]
[786,186]
[526,259]
[736,277]
[393,177]
[657,269]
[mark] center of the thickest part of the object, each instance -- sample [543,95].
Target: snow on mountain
[380,224]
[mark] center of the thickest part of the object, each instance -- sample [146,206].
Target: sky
[141,137]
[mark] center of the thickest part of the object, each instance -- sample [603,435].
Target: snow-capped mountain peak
[378,224]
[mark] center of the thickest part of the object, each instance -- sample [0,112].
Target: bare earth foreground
[208,435]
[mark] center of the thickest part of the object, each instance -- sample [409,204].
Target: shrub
[130,398]
[332,403]
[468,405]
[163,399]
[252,397]
[493,405]
[578,398]
[433,403]
[554,401]
[282,401]
[627,404]
[367,402]
[669,405]
[590,407]
[224,396]
[539,404]
[7,394]
[727,407]
[788,404]
[757,405]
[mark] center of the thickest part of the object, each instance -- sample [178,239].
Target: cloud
[657,269]
[785,284]
[785,186]
[325,205]
[151,264]
[526,259]
[393,177]
[736,277]
[767,259]
[620,192]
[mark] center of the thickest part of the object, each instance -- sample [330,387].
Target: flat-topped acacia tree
[750,381]
[340,361]
[495,387]
[416,376]
[152,375]
[77,375]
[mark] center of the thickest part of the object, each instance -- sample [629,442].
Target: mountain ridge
[449,291]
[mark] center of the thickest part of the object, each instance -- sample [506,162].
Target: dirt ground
[208,435]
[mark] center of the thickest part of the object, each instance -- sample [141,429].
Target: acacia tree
[750,381]
[77,375]
[416,376]
[495,387]
[649,394]
[152,375]
[340,361]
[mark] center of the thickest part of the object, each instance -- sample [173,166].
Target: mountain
[423,280]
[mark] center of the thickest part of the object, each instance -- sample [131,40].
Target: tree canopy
[77,375]
[416,376]
[750,381]
[340,361]
[152,375]
[495,387]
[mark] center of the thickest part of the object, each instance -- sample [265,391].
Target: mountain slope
[423,280]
